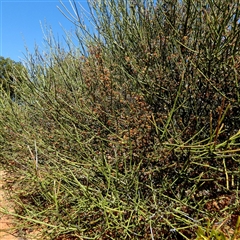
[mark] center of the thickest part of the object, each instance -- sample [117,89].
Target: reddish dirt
[6,221]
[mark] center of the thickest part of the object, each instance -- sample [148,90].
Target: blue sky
[20,24]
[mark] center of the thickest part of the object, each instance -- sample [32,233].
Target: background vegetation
[9,76]
[133,134]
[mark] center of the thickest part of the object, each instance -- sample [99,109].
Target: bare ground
[7,231]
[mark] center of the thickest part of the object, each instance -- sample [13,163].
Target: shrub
[138,138]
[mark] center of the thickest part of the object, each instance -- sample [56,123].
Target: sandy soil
[6,231]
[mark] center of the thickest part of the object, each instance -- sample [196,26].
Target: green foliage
[216,233]
[10,76]
[137,139]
